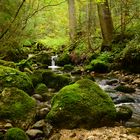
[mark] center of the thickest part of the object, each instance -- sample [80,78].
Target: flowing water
[53,66]
[118,99]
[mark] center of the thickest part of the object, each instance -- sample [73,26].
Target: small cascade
[53,66]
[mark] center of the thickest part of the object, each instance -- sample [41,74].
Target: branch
[38,10]
[17,12]
[127,22]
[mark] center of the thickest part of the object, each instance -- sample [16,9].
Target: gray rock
[124,99]
[33,133]
[38,97]
[39,124]
[43,112]
[47,129]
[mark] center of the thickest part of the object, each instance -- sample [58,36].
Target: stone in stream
[125,89]
[83,104]
[34,133]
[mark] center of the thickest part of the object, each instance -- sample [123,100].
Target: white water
[53,66]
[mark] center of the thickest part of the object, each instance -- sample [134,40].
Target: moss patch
[10,77]
[15,134]
[56,81]
[15,104]
[41,88]
[83,104]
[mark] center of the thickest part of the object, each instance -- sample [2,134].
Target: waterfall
[53,66]
[53,59]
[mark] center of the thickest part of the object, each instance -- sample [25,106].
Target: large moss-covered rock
[42,57]
[10,77]
[15,134]
[16,105]
[83,104]
[54,80]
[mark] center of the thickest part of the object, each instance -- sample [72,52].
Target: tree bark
[72,19]
[106,24]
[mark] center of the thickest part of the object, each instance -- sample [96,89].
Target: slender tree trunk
[72,19]
[106,24]
[124,13]
[90,16]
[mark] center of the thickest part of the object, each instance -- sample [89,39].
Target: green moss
[83,104]
[37,77]
[8,63]
[10,77]
[129,57]
[124,113]
[41,88]
[64,59]
[42,57]
[56,81]
[68,67]
[99,66]
[15,104]
[16,134]
[1,136]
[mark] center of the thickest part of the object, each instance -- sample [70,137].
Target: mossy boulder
[37,77]
[41,88]
[82,104]
[99,66]
[15,104]
[42,58]
[10,77]
[15,134]
[54,80]
[124,113]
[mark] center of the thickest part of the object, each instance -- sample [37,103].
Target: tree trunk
[106,24]
[72,19]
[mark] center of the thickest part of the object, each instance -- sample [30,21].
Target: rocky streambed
[123,88]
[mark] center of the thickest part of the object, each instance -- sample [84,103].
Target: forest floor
[103,133]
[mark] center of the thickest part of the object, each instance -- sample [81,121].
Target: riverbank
[104,133]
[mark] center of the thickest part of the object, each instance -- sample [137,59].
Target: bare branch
[38,10]
[17,12]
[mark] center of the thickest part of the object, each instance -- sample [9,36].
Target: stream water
[122,99]
[53,66]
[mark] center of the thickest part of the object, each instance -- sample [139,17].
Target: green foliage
[8,63]
[83,104]
[68,67]
[15,104]
[15,134]
[101,63]
[64,59]
[12,51]
[54,42]
[129,57]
